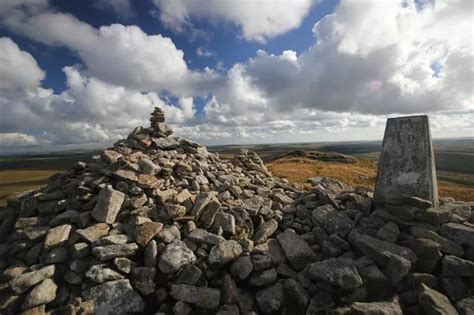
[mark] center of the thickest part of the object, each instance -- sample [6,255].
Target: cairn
[157,117]
[159,225]
[158,125]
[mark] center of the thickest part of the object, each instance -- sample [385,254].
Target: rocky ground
[157,224]
[321,156]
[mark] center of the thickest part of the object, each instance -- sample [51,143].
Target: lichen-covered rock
[114,297]
[338,272]
[108,205]
[203,297]
[175,256]
[43,293]
[24,281]
[225,252]
[297,251]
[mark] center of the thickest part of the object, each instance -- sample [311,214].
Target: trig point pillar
[406,164]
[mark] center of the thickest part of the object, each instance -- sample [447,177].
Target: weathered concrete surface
[406,165]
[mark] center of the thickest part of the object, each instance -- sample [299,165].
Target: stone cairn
[158,225]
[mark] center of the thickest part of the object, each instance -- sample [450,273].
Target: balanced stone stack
[158,225]
[157,116]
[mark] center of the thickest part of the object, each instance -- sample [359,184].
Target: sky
[83,74]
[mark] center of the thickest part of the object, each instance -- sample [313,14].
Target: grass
[13,182]
[363,173]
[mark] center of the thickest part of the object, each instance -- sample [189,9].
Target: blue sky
[83,73]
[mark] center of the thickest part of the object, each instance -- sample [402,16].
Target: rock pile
[157,224]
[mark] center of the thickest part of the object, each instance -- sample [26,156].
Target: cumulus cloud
[258,19]
[357,68]
[417,60]
[88,111]
[18,69]
[117,54]
[15,139]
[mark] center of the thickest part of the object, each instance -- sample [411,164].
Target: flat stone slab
[406,164]
[297,251]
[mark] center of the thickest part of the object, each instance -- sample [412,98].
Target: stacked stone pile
[157,224]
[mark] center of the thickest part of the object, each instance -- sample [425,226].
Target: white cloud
[88,111]
[15,139]
[204,52]
[417,60]
[355,67]
[117,54]
[258,19]
[18,69]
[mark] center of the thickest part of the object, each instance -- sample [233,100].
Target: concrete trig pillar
[406,164]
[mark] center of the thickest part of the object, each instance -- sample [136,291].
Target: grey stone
[322,302]
[21,283]
[263,278]
[269,300]
[466,306]
[203,236]
[338,272]
[108,205]
[63,218]
[265,231]
[226,221]
[115,297]
[146,232]
[273,249]
[241,268]
[389,232]
[174,211]
[112,240]
[462,234]
[175,256]
[148,167]
[111,251]
[225,252]
[110,156]
[57,236]
[181,308]
[296,296]
[455,266]
[101,274]
[406,164]
[379,250]
[169,233]
[397,268]
[209,213]
[123,264]
[376,308]
[261,262]
[151,254]
[189,274]
[434,302]
[203,297]
[56,255]
[297,251]
[169,143]
[43,293]
[229,291]
[447,246]
[143,279]
[94,232]
[202,200]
